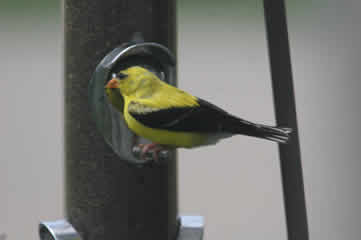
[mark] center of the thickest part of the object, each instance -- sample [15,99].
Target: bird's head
[131,81]
[114,89]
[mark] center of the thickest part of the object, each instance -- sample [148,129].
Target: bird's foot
[152,149]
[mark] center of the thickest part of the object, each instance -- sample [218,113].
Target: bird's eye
[121,75]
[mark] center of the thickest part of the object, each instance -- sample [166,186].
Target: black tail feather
[277,134]
[240,126]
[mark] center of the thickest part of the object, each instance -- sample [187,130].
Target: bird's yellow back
[146,88]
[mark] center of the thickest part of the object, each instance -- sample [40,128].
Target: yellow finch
[169,116]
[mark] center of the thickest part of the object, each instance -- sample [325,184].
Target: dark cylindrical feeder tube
[107,197]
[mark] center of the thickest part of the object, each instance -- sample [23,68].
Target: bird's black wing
[205,118]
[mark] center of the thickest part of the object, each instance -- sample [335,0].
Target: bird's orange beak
[112,83]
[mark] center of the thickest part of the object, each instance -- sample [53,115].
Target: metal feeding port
[110,122]
[191,228]
[58,230]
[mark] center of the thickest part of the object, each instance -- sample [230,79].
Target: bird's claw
[152,151]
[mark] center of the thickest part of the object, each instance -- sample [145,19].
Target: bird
[172,118]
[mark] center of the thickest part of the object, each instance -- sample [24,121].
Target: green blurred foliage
[191,7]
[16,8]
[247,7]
[242,11]
[17,15]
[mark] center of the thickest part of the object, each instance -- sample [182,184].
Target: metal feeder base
[191,228]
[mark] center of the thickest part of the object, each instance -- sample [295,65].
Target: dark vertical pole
[107,198]
[290,155]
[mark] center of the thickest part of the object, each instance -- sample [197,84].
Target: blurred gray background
[223,58]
